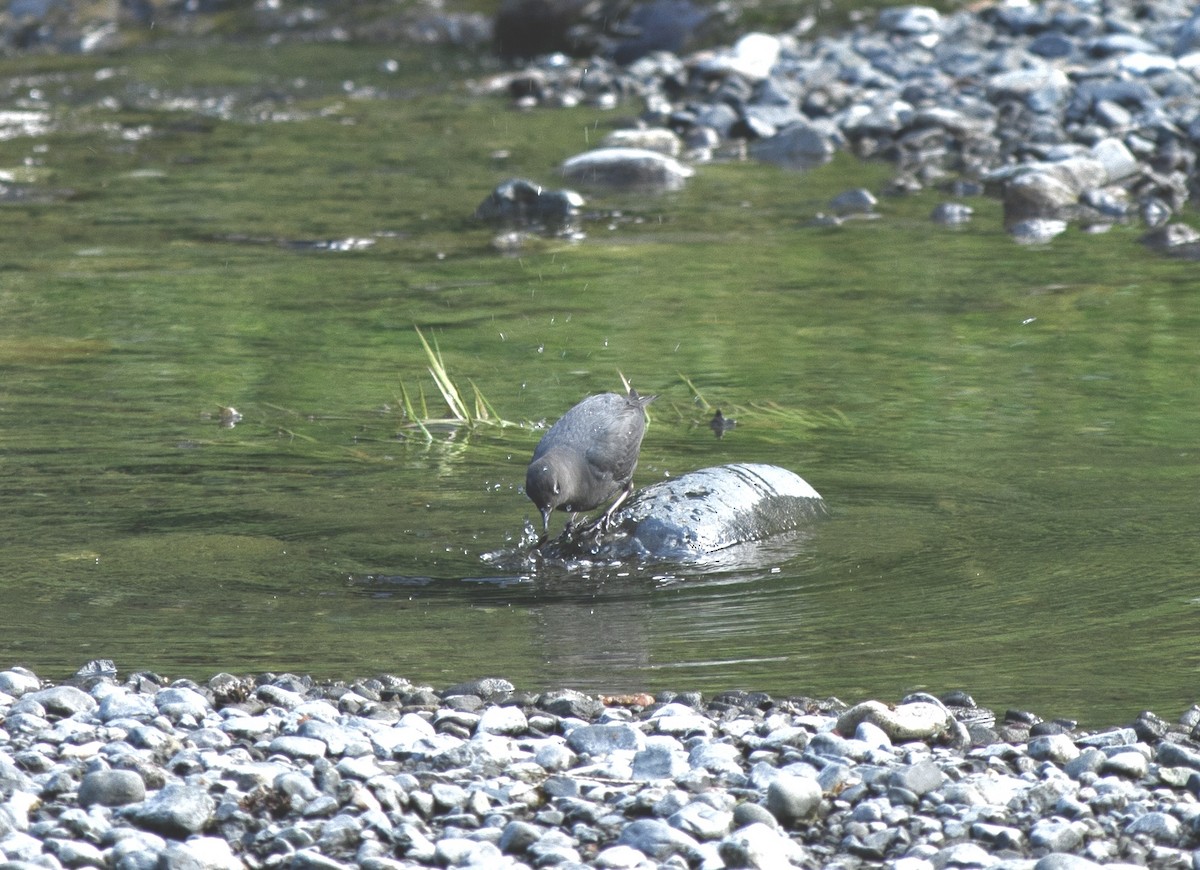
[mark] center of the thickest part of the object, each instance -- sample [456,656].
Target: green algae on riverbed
[1009,456]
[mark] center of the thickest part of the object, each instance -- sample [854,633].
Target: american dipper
[588,456]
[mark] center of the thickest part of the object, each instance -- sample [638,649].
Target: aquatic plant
[462,414]
[795,418]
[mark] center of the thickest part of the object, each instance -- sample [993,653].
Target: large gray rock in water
[636,169]
[707,515]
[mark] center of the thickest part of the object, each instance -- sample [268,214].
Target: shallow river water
[1005,436]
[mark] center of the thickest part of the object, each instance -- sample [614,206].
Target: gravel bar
[285,771]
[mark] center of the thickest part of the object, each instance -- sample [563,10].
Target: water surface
[1005,436]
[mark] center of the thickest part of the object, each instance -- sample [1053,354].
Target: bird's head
[543,487]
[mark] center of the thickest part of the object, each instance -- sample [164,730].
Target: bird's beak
[546,521]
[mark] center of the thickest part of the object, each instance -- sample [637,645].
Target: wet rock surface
[283,771]
[718,513]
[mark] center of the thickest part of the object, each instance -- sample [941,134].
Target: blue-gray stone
[657,840]
[502,720]
[1088,761]
[336,739]
[137,850]
[18,682]
[1130,763]
[793,798]
[722,759]
[519,836]
[298,747]
[761,846]
[702,821]
[1161,827]
[663,758]
[448,795]
[1173,755]
[119,705]
[201,853]
[1058,748]
[553,848]
[555,757]
[570,703]
[177,811]
[1052,45]
[175,703]
[1056,835]
[1115,737]
[111,788]
[797,146]
[597,740]
[63,700]
[920,778]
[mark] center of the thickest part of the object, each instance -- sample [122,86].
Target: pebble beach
[135,772]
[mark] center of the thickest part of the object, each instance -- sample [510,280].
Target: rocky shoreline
[282,771]
[1072,113]
[1068,112]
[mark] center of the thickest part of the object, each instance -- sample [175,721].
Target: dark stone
[1173,755]
[661,25]
[1021,717]
[527,28]
[1149,727]
[569,703]
[519,836]
[521,203]
[1052,45]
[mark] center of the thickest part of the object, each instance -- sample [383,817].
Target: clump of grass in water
[793,417]
[462,414]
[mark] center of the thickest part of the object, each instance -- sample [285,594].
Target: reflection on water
[1005,438]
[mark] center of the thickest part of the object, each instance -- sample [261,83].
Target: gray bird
[588,456]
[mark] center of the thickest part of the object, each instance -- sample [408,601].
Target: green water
[1005,436]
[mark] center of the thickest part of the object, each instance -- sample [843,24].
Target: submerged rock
[699,516]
